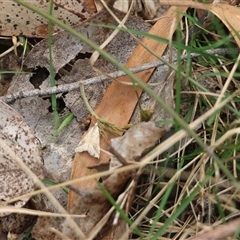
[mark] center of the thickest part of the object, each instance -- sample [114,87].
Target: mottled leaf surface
[20,139]
[18,20]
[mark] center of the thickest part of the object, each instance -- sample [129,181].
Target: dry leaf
[18,20]
[91,200]
[120,100]
[136,140]
[90,142]
[20,138]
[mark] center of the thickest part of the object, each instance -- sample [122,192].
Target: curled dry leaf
[134,142]
[90,142]
[21,140]
[18,20]
[92,200]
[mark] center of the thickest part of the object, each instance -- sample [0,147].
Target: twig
[75,86]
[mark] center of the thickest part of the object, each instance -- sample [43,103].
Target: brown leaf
[119,101]
[134,142]
[117,106]
[18,20]
[92,200]
[17,135]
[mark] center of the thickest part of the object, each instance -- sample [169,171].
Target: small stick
[75,86]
